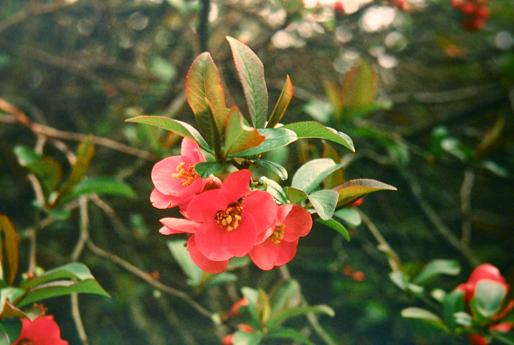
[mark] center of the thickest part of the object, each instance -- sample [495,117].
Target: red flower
[175,179]
[484,271]
[279,247]
[41,331]
[231,218]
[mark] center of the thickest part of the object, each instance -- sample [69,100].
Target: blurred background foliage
[430,110]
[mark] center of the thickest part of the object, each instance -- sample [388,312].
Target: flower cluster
[476,13]
[225,219]
[491,273]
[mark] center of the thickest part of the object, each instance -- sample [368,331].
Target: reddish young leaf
[251,73]
[9,248]
[238,136]
[355,189]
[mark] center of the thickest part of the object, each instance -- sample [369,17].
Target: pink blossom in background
[279,247]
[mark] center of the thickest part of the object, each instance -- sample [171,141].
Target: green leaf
[276,168]
[349,215]
[238,136]
[219,279]
[282,103]
[206,97]
[359,86]
[182,257]
[324,202]
[424,315]
[275,190]
[504,338]
[488,298]
[102,186]
[355,189]
[337,177]
[291,334]
[180,128]
[10,330]
[287,314]
[65,280]
[311,174]
[453,303]
[335,225]
[243,338]
[286,296]
[275,138]
[437,267]
[251,74]
[252,296]
[9,251]
[48,170]
[204,169]
[296,196]
[315,130]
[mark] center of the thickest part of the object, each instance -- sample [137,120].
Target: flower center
[185,173]
[278,234]
[230,218]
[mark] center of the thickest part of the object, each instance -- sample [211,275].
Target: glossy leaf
[276,168]
[311,174]
[282,103]
[435,268]
[324,202]
[8,250]
[290,313]
[180,128]
[275,189]
[315,130]
[275,138]
[453,303]
[251,74]
[424,315]
[290,334]
[349,215]
[204,169]
[64,280]
[10,330]
[488,298]
[243,338]
[102,186]
[355,189]
[335,225]
[238,136]
[295,195]
[181,255]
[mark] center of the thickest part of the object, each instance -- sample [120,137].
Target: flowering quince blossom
[486,272]
[279,247]
[41,331]
[175,179]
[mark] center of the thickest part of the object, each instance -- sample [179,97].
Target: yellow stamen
[278,234]
[230,218]
[185,173]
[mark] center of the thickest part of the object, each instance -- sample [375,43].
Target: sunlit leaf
[488,298]
[175,126]
[275,138]
[315,130]
[251,74]
[349,215]
[355,189]
[282,103]
[102,186]
[359,86]
[276,168]
[238,136]
[275,190]
[324,202]
[424,315]
[295,195]
[311,174]
[243,338]
[8,250]
[437,267]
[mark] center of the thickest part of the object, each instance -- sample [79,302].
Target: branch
[148,279]
[203,25]
[465,205]
[77,319]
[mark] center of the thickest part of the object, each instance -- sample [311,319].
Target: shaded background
[445,141]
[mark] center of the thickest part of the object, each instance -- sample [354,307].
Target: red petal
[203,207]
[298,224]
[236,185]
[265,255]
[261,207]
[201,261]
[179,225]
[286,253]
[191,150]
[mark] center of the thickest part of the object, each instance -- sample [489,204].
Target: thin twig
[148,279]
[465,205]
[203,25]
[84,229]
[77,319]
[392,258]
